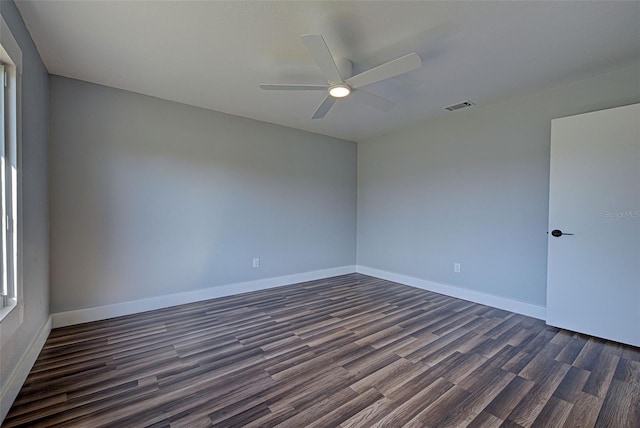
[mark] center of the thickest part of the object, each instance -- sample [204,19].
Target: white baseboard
[524,308]
[16,379]
[63,319]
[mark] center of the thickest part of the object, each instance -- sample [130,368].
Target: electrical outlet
[256,262]
[456,267]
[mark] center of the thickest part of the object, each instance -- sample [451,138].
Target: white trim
[12,317]
[63,319]
[517,306]
[16,379]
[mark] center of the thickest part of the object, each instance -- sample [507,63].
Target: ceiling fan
[341,87]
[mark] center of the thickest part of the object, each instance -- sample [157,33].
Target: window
[8,193]
[10,238]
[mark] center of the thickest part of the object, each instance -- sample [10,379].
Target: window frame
[12,315]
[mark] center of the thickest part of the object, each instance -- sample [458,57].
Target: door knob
[558,233]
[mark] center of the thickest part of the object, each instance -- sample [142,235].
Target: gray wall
[473,188]
[35,90]
[151,197]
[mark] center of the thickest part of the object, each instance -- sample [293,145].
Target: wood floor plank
[601,375]
[483,385]
[509,397]
[621,407]
[485,420]
[555,412]
[628,371]
[572,385]
[389,371]
[350,351]
[370,414]
[414,404]
[528,409]
[310,415]
[584,412]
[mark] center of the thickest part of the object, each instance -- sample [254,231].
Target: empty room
[320,213]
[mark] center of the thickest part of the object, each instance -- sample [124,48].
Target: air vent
[458,106]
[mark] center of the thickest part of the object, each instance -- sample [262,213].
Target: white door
[593,275]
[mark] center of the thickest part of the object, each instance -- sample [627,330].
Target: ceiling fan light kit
[339,87]
[339,91]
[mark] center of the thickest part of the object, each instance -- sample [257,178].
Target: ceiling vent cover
[461,105]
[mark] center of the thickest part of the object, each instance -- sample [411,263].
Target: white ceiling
[214,54]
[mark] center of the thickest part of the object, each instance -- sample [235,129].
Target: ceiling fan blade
[318,49]
[372,100]
[387,70]
[324,107]
[278,87]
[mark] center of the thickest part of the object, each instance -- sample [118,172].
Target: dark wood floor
[351,351]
